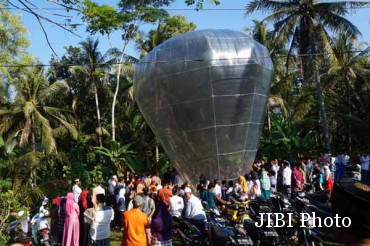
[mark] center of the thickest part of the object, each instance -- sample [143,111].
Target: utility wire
[174,61]
[178,9]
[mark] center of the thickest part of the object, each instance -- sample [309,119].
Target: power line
[172,9]
[174,61]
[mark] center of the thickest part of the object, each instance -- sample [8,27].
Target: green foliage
[285,140]
[101,18]
[106,19]
[200,3]
[97,172]
[120,156]
[9,202]
[32,114]
[166,29]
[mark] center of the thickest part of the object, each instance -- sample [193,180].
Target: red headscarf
[83,196]
[56,201]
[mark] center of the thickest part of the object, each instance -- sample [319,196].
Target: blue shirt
[208,196]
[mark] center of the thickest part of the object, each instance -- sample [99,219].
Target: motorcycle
[266,234]
[17,234]
[237,211]
[40,226]
[189,233]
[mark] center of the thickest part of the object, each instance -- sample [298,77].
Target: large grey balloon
[204,95]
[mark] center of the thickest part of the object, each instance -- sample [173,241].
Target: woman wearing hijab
[84,203]
[71,230]
[265,184]
[55,217]
[241,188]
[161,226]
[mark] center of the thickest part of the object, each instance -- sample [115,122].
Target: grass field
[115,238]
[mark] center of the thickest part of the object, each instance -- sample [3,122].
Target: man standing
[309,169]
[365,167]
[76,190]
[341,162]
[100,224]
[287,179]
[134,223]
[274,174]
[112,182]
[97,190]
[165,193]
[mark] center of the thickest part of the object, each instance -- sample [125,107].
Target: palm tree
[305,25]
[31,114]
[264,36]
[93,74]
[166,29]
[349,55]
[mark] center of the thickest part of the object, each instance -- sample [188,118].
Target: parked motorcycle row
[277,221]
[34,229]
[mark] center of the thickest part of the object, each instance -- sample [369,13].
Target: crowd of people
[143,206]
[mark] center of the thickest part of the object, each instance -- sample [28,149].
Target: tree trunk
[117,89]
[349,113]
[156,154]
[322,111]
[33,169]
[268,118]
[100,131]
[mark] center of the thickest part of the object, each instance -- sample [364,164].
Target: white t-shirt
[275,168]
[97,190]
[76,190]
[100,227]
[112,184]
[177,205]
[217,191]
[365,162]
[194,209]
[327,172]
[287,176]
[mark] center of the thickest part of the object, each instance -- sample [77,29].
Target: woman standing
[328,182]
[265,184]
[54,217]
[71,232]
[84,203]
[161,226]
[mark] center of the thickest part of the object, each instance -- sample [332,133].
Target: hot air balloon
[204,95]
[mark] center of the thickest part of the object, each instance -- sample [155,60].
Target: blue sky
[217,19]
